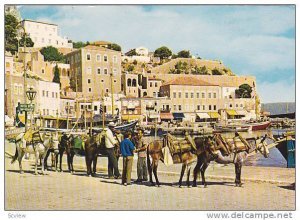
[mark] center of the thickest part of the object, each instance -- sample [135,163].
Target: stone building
[96,69]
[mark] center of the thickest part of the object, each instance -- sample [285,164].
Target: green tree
[56,77]
[130,68]
[29,42]
[131,53]
[52,54]
[79,44]
[216,71]
[184,54]
[163,52]
[244,91]
[115,47]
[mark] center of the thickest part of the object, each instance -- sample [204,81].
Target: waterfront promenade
[265,188]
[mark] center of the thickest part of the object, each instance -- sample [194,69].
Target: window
[43,93]
[241,105]
[102,80]
[115,71]
[186,95]
[99,70]
[203,95]
[198,95]
[95,107]
[156,84]
[106,89]
[105,58]
[89,70]
[174,95]
[43,70]
[52,94]
[179,107]
[16,89]
[44,111]
[215,107]
[89,80]
[56,95]
[174,107]
[90,89]
[203,107]
[236,105]
[115,59]
[47,93]
[209,95]
[151,84]
[230,105]
[115,81]
[192,95]
[215,95]
[154,94]
[98,58]
[198,107]
[88,56]
[47,111]
[209,107]
[105,71]
[179,94]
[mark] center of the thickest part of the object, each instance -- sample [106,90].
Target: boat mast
[112,92]
[103,113]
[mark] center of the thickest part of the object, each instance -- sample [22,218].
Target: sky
[250,40]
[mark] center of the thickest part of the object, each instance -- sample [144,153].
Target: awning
[130,117]
[154,115]
[166,116]
[241,112]
[203,115]
[214,114]
[178,115]
[231,112]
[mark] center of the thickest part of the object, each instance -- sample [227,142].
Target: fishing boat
[231,128]
[286,146]
[255,126]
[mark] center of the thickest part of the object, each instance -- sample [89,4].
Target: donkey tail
[14,158]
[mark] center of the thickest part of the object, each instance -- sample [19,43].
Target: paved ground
[264,189]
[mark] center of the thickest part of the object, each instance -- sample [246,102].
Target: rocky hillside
[279,107]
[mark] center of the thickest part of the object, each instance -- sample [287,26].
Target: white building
[48,99]
[45,34]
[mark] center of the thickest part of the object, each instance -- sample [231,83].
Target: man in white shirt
[110,144]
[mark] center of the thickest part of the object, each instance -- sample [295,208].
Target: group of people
[128,146]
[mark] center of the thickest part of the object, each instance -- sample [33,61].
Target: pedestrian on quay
[141,147]
[127,149]
[110,144]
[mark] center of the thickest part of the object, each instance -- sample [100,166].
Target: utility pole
[112,93]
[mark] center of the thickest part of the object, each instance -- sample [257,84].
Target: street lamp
[31,93]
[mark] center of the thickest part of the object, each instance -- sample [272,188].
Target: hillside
[279,108]
[194,66]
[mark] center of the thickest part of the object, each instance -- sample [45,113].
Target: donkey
[154,149]
[38,149]
[236,156]
[63,144]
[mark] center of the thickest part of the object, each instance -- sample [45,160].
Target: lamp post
[31,93]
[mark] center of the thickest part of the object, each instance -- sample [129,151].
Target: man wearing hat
[110,144]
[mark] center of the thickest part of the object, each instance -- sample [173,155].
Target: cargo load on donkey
[176,147]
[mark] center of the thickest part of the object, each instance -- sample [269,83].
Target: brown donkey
[154,149]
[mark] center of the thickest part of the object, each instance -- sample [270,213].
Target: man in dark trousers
[141,163]
[127,149]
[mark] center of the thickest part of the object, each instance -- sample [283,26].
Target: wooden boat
[286,146]
[259,125]
[231,128]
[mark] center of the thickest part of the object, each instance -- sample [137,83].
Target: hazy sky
[251,40]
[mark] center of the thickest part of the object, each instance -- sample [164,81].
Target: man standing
[141,163]
[127,149]
[110,144]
